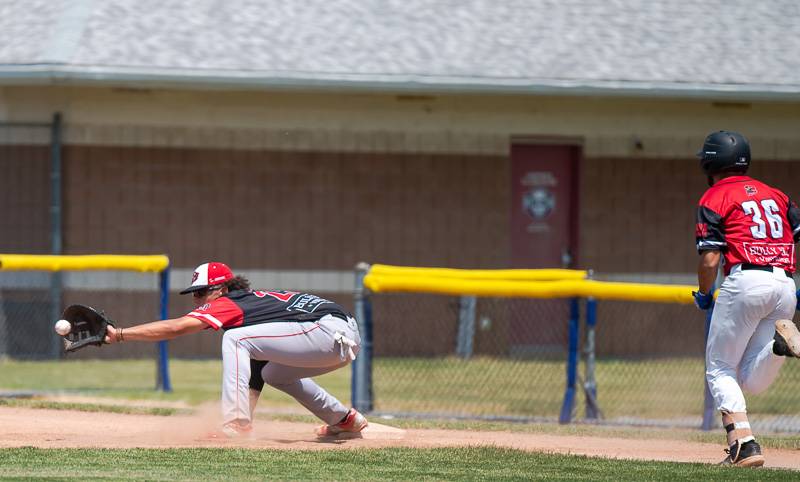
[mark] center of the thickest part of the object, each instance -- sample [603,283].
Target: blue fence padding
[361,369]
[572,362]
[163,382]
[361,386]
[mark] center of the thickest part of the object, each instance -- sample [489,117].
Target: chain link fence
[27,306]
[506,358]
[468,357]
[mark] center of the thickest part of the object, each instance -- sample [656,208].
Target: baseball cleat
[353,423]
[746,454]
[787,339]
[232,430]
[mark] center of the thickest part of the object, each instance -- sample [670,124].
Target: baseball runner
[754,227]
[281,338]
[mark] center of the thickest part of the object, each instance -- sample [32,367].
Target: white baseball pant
[296,351]
[739,349]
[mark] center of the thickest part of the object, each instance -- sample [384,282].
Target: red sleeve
[709,230]
[220,313]
[793,217]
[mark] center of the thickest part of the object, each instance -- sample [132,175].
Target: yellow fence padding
[478,274]
[532,289]
[34,262]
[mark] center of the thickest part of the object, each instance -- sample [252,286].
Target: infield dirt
[64,429]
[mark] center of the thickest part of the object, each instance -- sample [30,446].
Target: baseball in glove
[88,327]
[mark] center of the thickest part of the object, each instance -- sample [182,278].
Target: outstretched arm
[156,330]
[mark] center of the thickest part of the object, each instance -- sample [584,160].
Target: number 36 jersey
[750,222]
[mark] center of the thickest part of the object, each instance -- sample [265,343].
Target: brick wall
[283,210]
[25,199]
[638,215]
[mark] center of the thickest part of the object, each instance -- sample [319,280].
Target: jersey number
[771,212]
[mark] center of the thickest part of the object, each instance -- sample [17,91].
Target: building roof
[679,48]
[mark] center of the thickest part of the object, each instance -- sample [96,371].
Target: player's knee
[256,378]
[720,372]
[276,380]
[752,386]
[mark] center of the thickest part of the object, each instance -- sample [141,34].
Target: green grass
[649,389]
[479,386]
[485,463]
[193,381]
[92,407]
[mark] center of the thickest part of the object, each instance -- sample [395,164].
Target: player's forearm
[159,330]
[707,270]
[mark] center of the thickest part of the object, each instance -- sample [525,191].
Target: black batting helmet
[724,151]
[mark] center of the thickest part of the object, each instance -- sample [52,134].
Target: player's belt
[341,316]
[759,267]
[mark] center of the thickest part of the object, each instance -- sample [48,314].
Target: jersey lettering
[278,295]
[308,303]
[769,253]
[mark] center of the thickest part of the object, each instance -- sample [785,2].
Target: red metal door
[544,205]
[543,235]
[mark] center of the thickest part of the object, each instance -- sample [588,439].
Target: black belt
[341,316]
[748,266]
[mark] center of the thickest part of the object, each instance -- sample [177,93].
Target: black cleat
[746,454]
[787,339]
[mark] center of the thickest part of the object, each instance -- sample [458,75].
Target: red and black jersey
[750,222]
[245,307]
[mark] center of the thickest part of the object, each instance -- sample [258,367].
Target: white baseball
[63,327]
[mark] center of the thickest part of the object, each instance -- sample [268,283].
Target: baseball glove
[88,327]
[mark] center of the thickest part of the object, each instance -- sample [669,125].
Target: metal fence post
[56,242]
[590,384]
[708,401]
[572,362]
[163,382]
[361,385]
[466,326]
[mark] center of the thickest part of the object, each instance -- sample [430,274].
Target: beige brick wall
[287,210]
[637,215]
[25,199]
